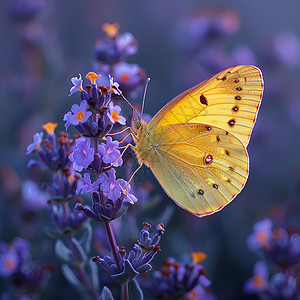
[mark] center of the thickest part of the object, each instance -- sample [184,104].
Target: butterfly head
[138,125]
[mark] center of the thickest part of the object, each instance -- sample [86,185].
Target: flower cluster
[94,118]
[177,280]
[137,260]
[110,55]
[16,263]
[53,154]
[281,248]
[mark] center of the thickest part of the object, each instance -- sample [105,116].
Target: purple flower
[114,188]
[127,74]
[110,152]
[82,155]
[138,259]
[8,259]
[113,114]
[283,287]
[78,114]
[33,197]
[259,282]
[36,145]
[77,85]
[88,186]
[126,44]
[261,236]
[284,249]
[14,256]
[66,224]
[176,279]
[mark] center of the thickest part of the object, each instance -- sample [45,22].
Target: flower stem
[113,243]
[125,292]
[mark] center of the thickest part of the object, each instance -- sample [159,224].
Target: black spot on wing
[203,100]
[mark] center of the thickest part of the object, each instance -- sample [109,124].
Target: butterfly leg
[108,167]
[133,175]
[115,133]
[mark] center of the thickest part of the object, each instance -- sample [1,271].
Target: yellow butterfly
[196,144]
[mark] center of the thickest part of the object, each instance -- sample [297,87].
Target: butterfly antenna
[121,94]
[144,96]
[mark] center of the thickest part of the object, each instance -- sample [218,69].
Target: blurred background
[180,43]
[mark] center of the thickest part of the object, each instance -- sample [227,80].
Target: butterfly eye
[138,124]
[215,186]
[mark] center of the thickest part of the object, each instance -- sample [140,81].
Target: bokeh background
[45,43]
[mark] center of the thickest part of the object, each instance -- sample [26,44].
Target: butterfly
[196,144]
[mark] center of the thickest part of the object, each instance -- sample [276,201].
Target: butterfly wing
[202,168]
[229,100]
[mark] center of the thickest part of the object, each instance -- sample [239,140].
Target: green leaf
[106,294]
[79,255]
[62,251]
[134,290]
[86,238]
[93,271]
[72,278]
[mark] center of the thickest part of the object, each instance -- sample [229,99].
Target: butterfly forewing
[229,100]
[200,167]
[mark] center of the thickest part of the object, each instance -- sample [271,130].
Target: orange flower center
[115,116]
[198,257]
[125,77]
[262,238]
[9,264]
[50,127]
[79,116]
[258,281]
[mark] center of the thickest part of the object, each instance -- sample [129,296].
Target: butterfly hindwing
[229,100]
[200,167]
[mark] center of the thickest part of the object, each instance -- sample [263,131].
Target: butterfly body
[196,144]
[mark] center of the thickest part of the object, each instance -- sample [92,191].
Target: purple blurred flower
[88,186]
[77,82]
[283,287]
[176,280]
[261,236]
[9,259]
[126,44]
[78,114]
[14,256]
[284,249]
[259,282]
[110,152]
[114,188]
[65,224]
[127,74]
[114,114]
[82,155]
[36,145]
[33,197]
